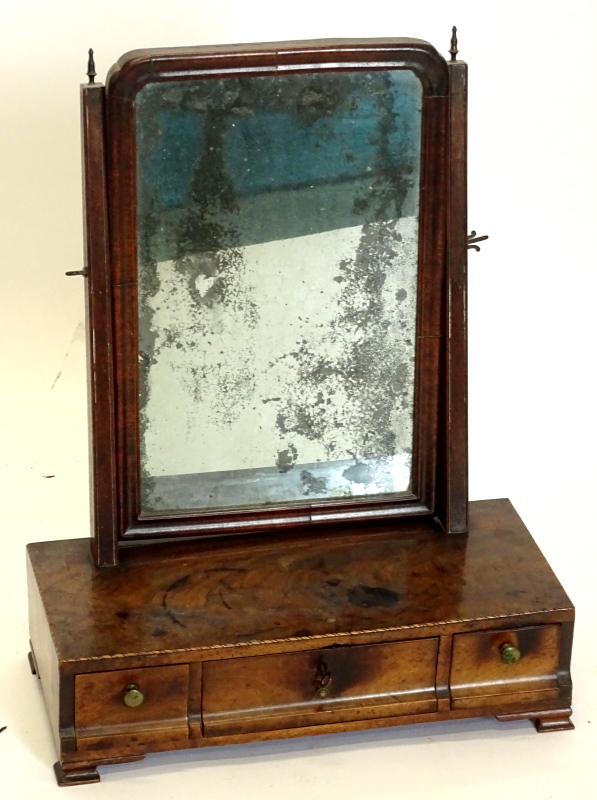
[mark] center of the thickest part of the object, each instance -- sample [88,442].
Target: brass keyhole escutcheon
[509,653]
[322,679]
[133,696]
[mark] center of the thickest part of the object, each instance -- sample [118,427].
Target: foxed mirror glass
[277,225]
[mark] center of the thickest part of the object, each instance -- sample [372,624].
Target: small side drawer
[159,702]
[262,693]
[483,670]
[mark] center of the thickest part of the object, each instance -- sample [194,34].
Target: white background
[532,170]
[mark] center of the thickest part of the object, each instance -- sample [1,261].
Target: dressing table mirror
[282,542]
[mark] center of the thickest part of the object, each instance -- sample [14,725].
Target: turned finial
[91,73]
[454,44]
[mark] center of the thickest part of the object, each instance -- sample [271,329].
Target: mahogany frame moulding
[439,485]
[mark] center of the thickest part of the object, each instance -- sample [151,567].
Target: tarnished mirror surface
[277,266]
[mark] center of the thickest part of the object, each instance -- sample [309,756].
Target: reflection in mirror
[277,258]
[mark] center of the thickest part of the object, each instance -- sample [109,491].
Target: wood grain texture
[135,68]
[431,331]
[508,709]
[228,640]
[43,652]
[545,715]
[525,699]
[66,712]
[236,593]
[453,471]
[242,695]
[478,670]
[100,709]
[99,323]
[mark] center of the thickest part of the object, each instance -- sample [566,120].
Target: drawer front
[483,670]
[339,684]
[106,704]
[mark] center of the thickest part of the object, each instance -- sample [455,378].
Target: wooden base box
[201,644]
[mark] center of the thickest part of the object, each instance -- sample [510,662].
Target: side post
[100,364]
[454,513]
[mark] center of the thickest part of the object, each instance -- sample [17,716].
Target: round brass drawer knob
[509,653]
[323,693]
[133,696]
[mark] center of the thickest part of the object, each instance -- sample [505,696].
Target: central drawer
[314,687]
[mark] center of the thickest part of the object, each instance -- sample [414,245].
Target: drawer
[483,671]
[105,705]
[337,684]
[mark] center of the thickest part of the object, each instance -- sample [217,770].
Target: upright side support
[100,369]
[454,514]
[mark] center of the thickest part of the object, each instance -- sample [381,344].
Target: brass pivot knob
[133,696]
[323,693]
[509,653]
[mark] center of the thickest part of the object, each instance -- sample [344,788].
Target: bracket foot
[557,719]
[75,776]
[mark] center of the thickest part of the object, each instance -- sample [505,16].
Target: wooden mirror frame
[439,473]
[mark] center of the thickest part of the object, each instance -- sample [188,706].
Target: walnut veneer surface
[205,595]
